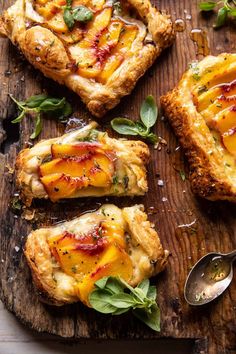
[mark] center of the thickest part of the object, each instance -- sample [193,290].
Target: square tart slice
[82,163]
[68,258]
[202,112]
[100,59]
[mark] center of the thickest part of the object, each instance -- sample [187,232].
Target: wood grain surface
[170,207]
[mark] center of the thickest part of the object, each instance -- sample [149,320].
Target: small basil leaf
[67,109]
[82,14]
[35,101]
[19,118]
[114,285]
[221,17]
[101,283]
[100,301]
[124,126]
[207,6]
[68,18]
[152,138]
[120,311]
[151,319]
[149,112]
[152,293]
[144,285]
[52,104]
[122,301]
[38,127]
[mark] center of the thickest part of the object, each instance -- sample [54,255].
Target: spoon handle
[232,255]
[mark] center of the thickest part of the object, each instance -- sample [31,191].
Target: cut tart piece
[67,259]
[99,52]
[202,111]
[82,163]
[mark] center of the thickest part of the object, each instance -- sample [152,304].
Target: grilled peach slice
[59,186]
[84,148]
[118,53]
[115,261]
[229,140]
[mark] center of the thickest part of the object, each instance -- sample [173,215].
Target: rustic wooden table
[189,227]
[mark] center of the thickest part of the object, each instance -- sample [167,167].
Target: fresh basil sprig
[148,115]
[228,9]
[76,14]
[57,108]
[115,296]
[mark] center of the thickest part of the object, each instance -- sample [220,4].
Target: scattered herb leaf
[37,104]
[182,175]
[148,115]
[77,14]
[114,296]
[228,9]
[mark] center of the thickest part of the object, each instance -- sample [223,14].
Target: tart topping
[215,98]
[93,256]
[100,43]
[74,167]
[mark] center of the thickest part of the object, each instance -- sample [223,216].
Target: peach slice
[59,186]
[118,53]
[78,166]
[226,120]
[80,149]
[229,140]
[114,232]
[115,262]
[219,104]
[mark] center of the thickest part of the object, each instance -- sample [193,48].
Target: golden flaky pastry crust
[143,246]
[211,174]
[48,53]
[131,158]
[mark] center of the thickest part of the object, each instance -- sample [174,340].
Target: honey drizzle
[199,36]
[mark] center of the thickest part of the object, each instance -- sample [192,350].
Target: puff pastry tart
[67,259]
[101,59]
[82,163]
[202,111]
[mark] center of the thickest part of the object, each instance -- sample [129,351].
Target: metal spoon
[209,278]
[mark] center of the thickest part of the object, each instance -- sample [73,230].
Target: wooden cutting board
[171,207]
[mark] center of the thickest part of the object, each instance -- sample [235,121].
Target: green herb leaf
[144,285]
[100,301]
[124,126]
[149,112]
[151,319]
[111,296]
[35,101]
[82,14]
[38,127]
[207,6]
[52,104]
[182,175]
[221,17]
[152,138]
[68,18]
[232,12]
[19,118]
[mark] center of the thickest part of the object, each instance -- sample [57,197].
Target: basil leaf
[69,3]
[35,101]
[52,104]
[232,12]
[120,312]
[19,118]
[100,301]
[68,18]
[114,285]
[151,319]
[101,283]
[82,14]
[124,126]
[152,293]
[122,301]
[144,285]
[67,109]
[221,17]
[38,127]
[207,6]
[149,112]
[152,138]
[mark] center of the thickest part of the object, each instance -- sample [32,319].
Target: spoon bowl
[209,278]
